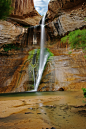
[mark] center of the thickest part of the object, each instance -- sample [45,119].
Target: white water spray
[43,56]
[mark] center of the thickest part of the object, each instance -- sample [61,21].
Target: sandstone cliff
[22,7]
[57,7]
[10,33]
[25,13]
[65,21]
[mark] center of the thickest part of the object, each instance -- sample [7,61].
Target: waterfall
[43,55]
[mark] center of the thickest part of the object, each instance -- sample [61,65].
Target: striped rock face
[22,7]
[25,13]
[56,8]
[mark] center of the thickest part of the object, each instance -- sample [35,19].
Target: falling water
[43,55]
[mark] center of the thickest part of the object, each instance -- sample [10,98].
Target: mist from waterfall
[43,55]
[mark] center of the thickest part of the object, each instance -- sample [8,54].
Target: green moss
[32,52]
[30,57]
[85,18]
[85,56]
[69,52]
[84,91]
[51,54]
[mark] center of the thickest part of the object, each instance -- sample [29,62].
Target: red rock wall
[66,4]
[22,7]
[56,7]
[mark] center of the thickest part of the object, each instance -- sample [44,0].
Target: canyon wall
[63,21]
[24,12]
[57,7]
[22,7]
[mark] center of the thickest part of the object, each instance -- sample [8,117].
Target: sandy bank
[17,104]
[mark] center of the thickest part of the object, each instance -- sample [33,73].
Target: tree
[5,8]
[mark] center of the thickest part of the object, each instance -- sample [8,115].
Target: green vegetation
[69,52]
[85,56]
[31,57]
[76,39]
[8,47]
[32,52]
[5,8]
[84,91]
[50,54]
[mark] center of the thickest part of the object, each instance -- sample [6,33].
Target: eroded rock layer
[22,7]
[10,33]
[24,12]
[68,21]
[57,7]
[64,71]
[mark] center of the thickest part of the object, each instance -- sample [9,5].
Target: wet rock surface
[11,69]
[64,72]
[14,70]
[8,66]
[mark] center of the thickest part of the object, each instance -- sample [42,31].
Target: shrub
[76,39]
[5,8]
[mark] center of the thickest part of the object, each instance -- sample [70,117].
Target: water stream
[43,55]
